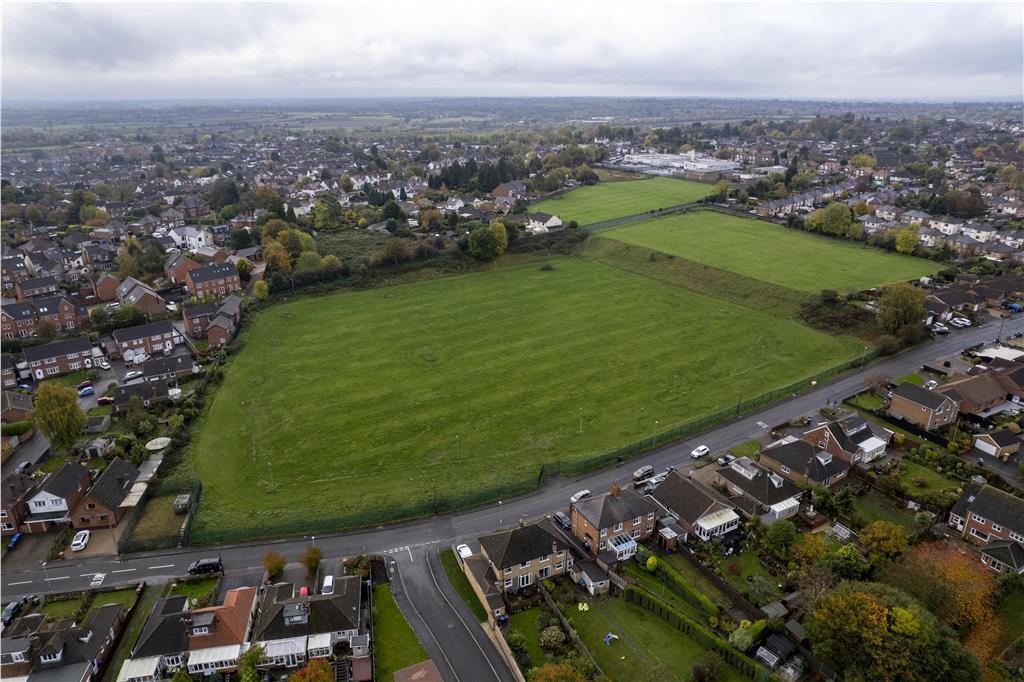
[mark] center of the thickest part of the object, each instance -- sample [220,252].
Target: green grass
[52,464]
[198,590]
[657,587]
[526,623]
[696,578]
[72,379]
[648,647]
[933,479]
[60,610]
[123,597]
[771,253]
[158,519]
[877,507]
[915,379]
[101,410]
[132,632]
[867,401]
[395,645]
[462,387]
[461,584]
[747,448]
[604,201]
[1010,613]
[749,566]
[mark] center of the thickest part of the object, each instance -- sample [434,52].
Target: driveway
[32,550]
[33,451]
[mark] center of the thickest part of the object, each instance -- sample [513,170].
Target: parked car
[210,565]
[725,460]
[653,482]
[103,364]
[579,496]
[84,384]
[25,387]
[105,400]
[643,472]
[88,390]
[172,307]
[960,322]
[80,541]
[563,520]
[700,451]
[931,384]
[464,551]
[11,611]
[132,374]
[23,468]
[940,329]
[328,586]
[13,542]
[140,359]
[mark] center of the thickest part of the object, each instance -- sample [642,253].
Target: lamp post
[581,421]
[657,425]
[863,357]
[45,575]
[458,448]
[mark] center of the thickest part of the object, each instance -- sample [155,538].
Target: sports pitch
[364,407]
[771,253]
[607,200]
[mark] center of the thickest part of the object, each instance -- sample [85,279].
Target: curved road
[442,621]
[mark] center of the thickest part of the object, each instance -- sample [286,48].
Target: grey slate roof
[143,331]
[166,629]
[526,543]
[685,498]
[212,272]
[920,395]
[65,480]
[326,613]
[761,487]
[606,510]
[804,458]
[79,344]
[1006,551]
[993,504]
[113,484]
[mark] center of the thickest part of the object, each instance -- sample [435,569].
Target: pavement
[423,594]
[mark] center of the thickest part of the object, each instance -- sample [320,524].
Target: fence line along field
[607,200]
[371,404]
[772,253]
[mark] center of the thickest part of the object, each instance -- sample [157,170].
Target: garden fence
[638,217]
[735,596]
[127,544]
[569,629]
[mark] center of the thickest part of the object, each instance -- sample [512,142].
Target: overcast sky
[513,47]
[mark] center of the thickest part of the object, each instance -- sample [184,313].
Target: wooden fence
[568,628]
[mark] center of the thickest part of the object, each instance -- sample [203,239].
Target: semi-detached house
[154,337]
[993,518]
[524,555]
[613,523]
[60,357]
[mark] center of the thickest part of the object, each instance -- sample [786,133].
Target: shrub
[551,638]
[708,668]
[274,564]
[17,428]
[684,589]
[516,640]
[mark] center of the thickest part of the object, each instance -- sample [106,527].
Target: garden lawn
[915,379]
[933,479]
[461,584]
[696,578]
[771,253]
[877,507]
[158,520]
[648,647]
[395,645]
[198,590]
[358,408]
[749,565]
[124,597]
[607,200]
[867,401]
[132,632]
[653,584]
[60,610]
[526,623]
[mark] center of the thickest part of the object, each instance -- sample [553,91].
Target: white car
[700,451]
[725,460]
[579,496]
[80,541]
[931,385]
[960,322]
[464,551]
[132,374]
[103,364]
[140,359]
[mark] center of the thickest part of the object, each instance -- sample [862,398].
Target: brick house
[218,320]
[524,555]
[168,368]
[177,265]
[217,633]
[1001,443]
[100,507]
[150,338]
[803,463]
[8,371]
[37,286]
[106,287]
[18,320]
[148,393]
[99,257]
[989,516]
[15,406]
[15,492]
[60,312]
[60,357]
[14,271]
[930,410]
[213,280]
[979,394]
[135,293]
[614,523]
[697,510]
[54,498]
[758,491]
[851,438]
[197,318]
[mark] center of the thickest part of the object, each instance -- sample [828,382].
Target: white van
[328,587]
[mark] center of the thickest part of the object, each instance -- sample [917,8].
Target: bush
[708,668]
[274,564]
[684,589]
[17,428]
[551,638]
[516,640]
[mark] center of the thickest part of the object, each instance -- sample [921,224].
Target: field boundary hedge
[203,533]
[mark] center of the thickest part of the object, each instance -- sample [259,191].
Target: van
[643,472]
[328,587]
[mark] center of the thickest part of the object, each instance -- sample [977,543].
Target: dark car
[562,519]
[11,612]
[23,467]
[202,566]
[13,542]
[85,384]
[105,400]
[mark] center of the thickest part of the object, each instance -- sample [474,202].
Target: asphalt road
[429,606]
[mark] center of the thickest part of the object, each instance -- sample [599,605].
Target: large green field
[607,200]
[771,253]
[362,407]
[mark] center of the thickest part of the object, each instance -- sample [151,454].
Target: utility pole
[458,448]
[581,421]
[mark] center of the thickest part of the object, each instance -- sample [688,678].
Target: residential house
[8,371]
[1000,443]
[293,629]
[17,407]
[929,410]
[15,492]
[18,320]
[54,498]
[190,238]
[982,395]
[513,190]
[194,206]
[197,318]
[99,257]
[169,369]
[177,265]
[218,633]
[66,652]
[1004,556]
[851,438]
[213,280]
[150,338]
[947,225]
[60,313]
[989,516]
[758,491]
[60,357]
[147,392]
[101,506]
[135,293]
[172,217]
[539,223]
[162,647]
[613,524]
[526,554]
[697,510]
[13,270]
[47,285]
[804,463]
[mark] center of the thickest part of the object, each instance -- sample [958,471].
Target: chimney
[616,490]
[522,522]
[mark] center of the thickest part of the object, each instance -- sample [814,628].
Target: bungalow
[169,368]
[55,497]
[980,395]
[803,463]
[851,438]
[539,223]
[696,510]
[1000,444]
[147,392]
[615,521]
[101,506]
[1004,557]
[514,190]
[524,555]
[759,491]
[59,357]
[930,410]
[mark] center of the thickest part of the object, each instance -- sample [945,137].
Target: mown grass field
[771,253]
[607,200]
[362,407]
[395,645]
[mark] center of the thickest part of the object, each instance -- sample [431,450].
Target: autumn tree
[316,670]
[779,536]
[330,266]
[899,305]
[556,672]
[906,239]
[274,564]
[809,549]
[431,220]
[394,251]
[56,413]
[883,540]
[310,558]
[327,213]
[954,585]
[261,289]
[248,661]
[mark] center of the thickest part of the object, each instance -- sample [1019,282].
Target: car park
[643,472]
[464,551]
[725,460]
[579,496]
[105,400]
[210,565]
[80,541]
[700,451]
[563,520]
[88,390]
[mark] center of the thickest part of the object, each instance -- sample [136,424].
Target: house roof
[325,613]
[766,486]
[147,390]
[1009,552]
[114,484]
[686,498]
[166,629]
[804,458]
[201,310]
[19,311]
[143,331]
[933,400]
[212,272]
[976,390]
[1002,437]
[993,504]
[12,400]
[39,282]
[607,510]
[65,480]
[231,620]
[79,344]
[162,365]
[522,544]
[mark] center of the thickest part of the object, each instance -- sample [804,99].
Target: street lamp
[458,448]
[45,575]
[657,425]
[581,421]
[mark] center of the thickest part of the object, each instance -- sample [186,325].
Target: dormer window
[201,631]
[52,658]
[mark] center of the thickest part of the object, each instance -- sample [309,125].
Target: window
[18,656]
[636,532]
[650,527]
[3,513]
[1017,537]
[784,468]
[558,567]
[525,564]
[525,580]
[979,519]
[638,520]
[7,525]
[83,519]
[90,505]
[996,528]
[50,658]
[544,558]
[604,532]
[201,631]
[618,526]
[74,365]
[601,546]
[508,570]
[979,535]
[53,370]
[568,562]
[650,515]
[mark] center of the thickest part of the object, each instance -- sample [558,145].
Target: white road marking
[23,582]
[410,554]
[152,568]
[124,570]
[63,577]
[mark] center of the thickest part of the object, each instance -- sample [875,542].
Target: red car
[105,400]
[84,384]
